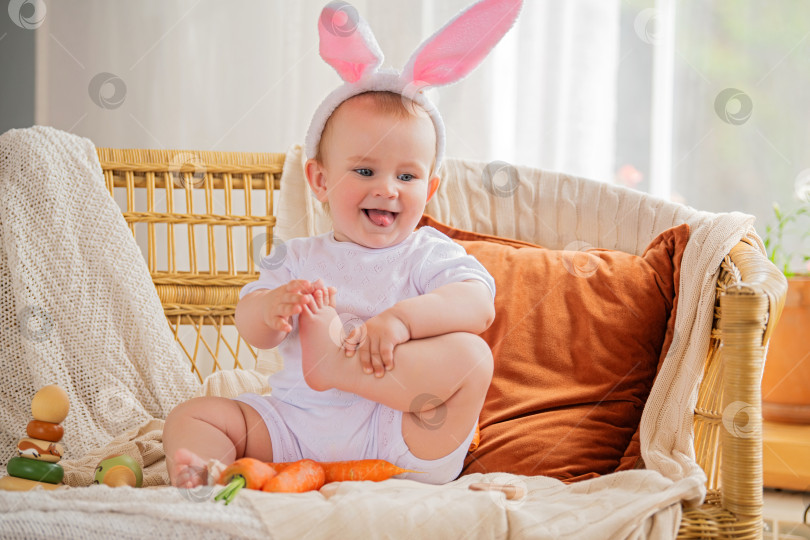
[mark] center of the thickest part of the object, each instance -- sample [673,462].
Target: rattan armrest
[751,294]
[749,310]
[758,276]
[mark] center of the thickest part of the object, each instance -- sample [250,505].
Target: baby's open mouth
[381,218]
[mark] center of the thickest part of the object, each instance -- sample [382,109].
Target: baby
[408,382]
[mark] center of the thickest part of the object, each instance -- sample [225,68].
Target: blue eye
[406,177]
[364,172]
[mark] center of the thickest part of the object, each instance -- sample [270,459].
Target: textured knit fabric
[77,303]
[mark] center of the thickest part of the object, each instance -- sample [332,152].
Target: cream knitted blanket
[77,305]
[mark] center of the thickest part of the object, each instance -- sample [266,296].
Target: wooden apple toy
[119,470]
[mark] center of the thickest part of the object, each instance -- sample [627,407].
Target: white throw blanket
[77,305]
[68,256]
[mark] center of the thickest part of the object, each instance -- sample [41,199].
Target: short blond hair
[383,102]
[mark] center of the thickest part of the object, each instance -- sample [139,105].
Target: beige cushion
[232,382]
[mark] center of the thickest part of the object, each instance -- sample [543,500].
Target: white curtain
[246,75]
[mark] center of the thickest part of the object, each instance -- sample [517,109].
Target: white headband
[348,45]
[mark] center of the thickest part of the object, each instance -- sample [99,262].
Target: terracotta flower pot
[786,381]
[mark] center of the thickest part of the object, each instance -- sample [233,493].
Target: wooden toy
[46,431]
[12,483]
[119,470]
[40,450]
[39,453]
[511,492]
[50,404]
[34,469]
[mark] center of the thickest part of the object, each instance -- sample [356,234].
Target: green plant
[788,222]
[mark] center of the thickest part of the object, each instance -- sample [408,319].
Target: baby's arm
[263,317]
[465,306]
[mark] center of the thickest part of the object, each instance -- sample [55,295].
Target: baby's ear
[316,178]
[433,185]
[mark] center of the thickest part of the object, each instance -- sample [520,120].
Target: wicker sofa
[236,196]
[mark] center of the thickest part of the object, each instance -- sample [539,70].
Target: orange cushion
[577,341]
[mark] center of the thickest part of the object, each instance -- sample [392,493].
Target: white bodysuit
[335,425]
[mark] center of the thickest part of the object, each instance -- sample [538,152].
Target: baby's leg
[440,382]
[207,428]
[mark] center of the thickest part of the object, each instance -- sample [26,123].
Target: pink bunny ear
[347,43]
[460,45]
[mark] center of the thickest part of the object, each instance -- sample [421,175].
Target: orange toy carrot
[256,473]
[297,477]
[281,466]
[375,470]
[476,440]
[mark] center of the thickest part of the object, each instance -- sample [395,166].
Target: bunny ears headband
[348,45]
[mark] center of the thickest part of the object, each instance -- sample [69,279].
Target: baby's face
[376,173]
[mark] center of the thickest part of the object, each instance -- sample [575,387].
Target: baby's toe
[181,479]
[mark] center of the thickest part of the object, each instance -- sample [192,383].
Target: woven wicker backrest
[203,221]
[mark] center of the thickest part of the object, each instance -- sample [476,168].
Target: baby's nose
[386,188]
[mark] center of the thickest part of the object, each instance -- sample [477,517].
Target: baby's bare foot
[320,350]
[188,470]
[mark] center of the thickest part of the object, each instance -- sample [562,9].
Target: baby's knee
[476,353]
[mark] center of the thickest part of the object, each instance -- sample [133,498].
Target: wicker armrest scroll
[751,294]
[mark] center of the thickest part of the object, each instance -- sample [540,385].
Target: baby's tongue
[383,218]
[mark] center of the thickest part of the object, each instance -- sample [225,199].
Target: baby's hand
[286,301]
[383,333]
